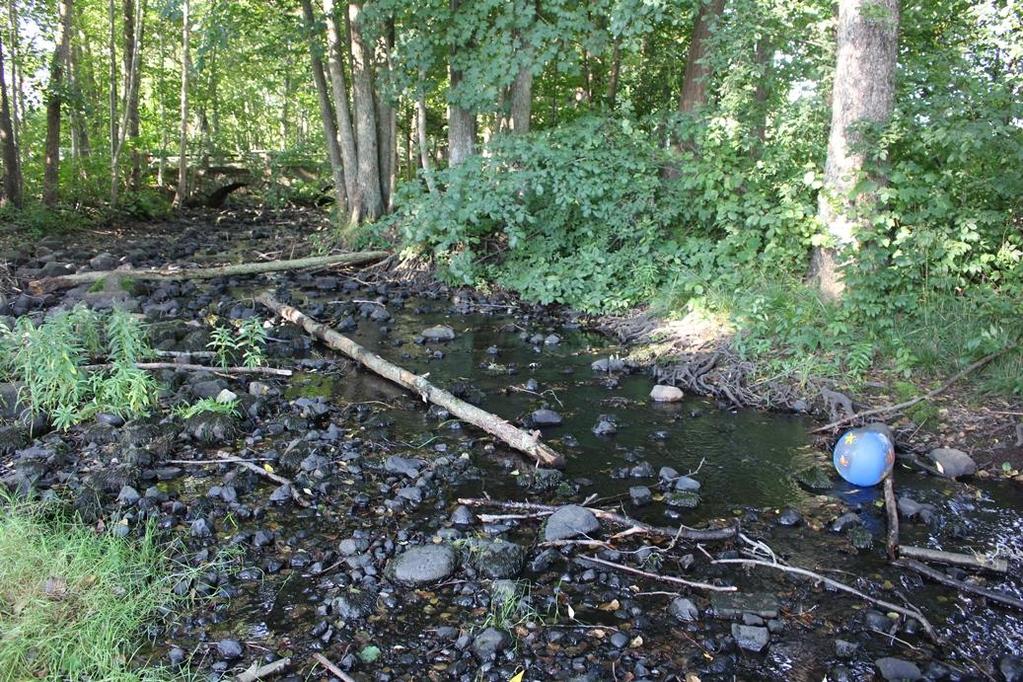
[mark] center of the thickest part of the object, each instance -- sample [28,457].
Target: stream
[292,581]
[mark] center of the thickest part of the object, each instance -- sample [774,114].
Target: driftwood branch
[46,284]
[662,578]
[899,407]
[892,509]
[633,526]
[795,570]
[944,579]
[257,672]
[276,478]
[954,559]
[527,443]
[269,371]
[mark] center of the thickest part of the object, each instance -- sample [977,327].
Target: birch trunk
[369,177]
[346,135]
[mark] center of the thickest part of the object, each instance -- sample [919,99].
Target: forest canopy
[602,154]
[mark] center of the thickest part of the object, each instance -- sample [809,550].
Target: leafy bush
[245,343]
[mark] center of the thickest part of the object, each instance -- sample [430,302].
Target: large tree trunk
[521,100]
[346,136]
[79,123]
[365,120]
[134,26]
[424,143]
[387,127]
[51,158]
[326,111]
[694,80]
[12,161]
[863,92]
[186,66]
[461,122]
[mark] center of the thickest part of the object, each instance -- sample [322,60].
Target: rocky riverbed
[369,559]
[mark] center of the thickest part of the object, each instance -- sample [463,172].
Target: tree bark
[694,80]
[863,92]
[616,70]
[12,160]
[17,105]
[186,66]
[121,132]
[134,30]
[79,123]
[424,143]
[521,100]
[369,178]
[112,86]
[387,122]
[326,111]
[54,99]
[527,443]
[346,135]
[461,122]
[65,281]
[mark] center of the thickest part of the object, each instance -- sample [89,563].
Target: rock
[789,517]
[683,499]
[176,656]
[103,261]
[424,564]
[260,389]
[403,465]
[897,669]
[619,640]
[353,604]
[813,478]
[666,394]
[201,529]
[281,493]
[845,649]
[546,479]
[667,474]
[952,463]
[207,389]
[440,332]
[606,426]
[551,340]
[683,609]
[751,637]
[608,365]
[230,649]
[845,521]
[226,396]
[486,644]
[545,417]
[570,521]
[731,605]
[211,428]
[109,419]
[640,495]
[1011,668]
[686,483]
[910,508]
[128,496]
[860,538]
[462,517]
[495,559]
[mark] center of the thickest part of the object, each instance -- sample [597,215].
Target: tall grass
[73,602]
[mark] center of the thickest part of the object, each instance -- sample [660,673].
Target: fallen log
[938,556]
[939,577]
[633,527]
[892,509]
[47,284]
[527,443]
[271,371]
[258,672]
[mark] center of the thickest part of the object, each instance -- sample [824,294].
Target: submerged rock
[545,417]
[683,499]
[897,669]
[751,637]
[569,522]
[424,564]
[952,463]
[666,394]
[440,332]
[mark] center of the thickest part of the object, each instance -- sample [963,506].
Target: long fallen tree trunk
[41,286]
[527,443]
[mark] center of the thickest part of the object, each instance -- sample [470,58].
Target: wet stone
[897,669]
[1011,668]
[545,417]
[860,538]
[424,564]
[686,483]
[683,609]
[789,517]
[462,517]
[640,495]
[666,394]
[403,465]
[731,605]
[569,522]
[486,644]
[128,496]
[229,649]
[353,604]
[751,637]
[845,521]
[495,558]
[438,332]
[606,426]
[845,649]
[952,463]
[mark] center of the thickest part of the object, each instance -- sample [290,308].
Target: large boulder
[952,463]
[666,394]
[424,564]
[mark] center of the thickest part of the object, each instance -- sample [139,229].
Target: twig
[234,460]
[266,474]
[662,578]
[795,570]
[972,367]
[892,542]
[633,526]
[334,670]
[939,577]
[272,371]
[259,672]
[955,559]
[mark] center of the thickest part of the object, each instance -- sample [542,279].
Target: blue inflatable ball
[864,456]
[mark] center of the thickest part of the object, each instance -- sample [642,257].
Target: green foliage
[245,342]
[48,359]
[205,406]
[73,603]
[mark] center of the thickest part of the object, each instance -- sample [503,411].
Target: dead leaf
[55,588]
[612,605]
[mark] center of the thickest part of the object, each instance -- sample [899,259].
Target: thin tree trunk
[51,159]
[326,112]
[369,176]
[17,102]
[345,133]
[762,55]
[461,122]
[122,131]
[186,65]
[162,106]
[134,29]
[12,160]
[694,80]
[521,100]
[424,143]
[79,122]
[112,89]
[387,124]
[863,92]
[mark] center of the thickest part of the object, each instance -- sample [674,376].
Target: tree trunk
[521,100]
[346,136]
[79,122]
[616,70]
[365,120]
[186,65]
[461,122]
[424,143]
[162,107]
[863,92]
[12,160]
[762,55]
[51,159]
[134,28]
[694,80]
[326,112]
[112,90]
[387,122]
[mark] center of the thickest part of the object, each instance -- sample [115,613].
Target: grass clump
[73,603]
[206,406]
